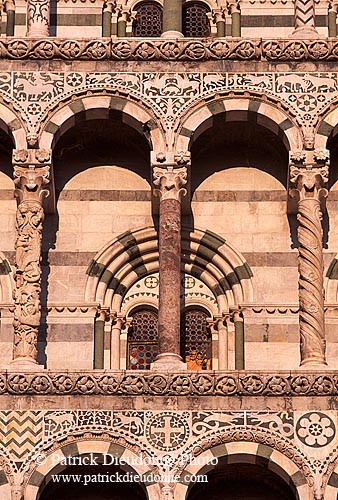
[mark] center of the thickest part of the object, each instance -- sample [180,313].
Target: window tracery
[142,339]
[148,21]
[195,20]
[196,339]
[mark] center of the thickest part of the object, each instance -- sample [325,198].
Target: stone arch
[201,117]
[249,446]
[327,125]
[7,473]
[12,125]
[330,479]
[48,462]
[133,255]
[100,106]
[331,281]
[6,281]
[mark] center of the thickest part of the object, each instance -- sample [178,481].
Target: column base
[24,364]
[314,364]
[172,34]
[305,33]
[168,362]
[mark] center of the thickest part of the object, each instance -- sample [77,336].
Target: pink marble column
[169,182]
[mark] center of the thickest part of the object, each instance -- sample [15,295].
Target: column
[122,23]
[31,180]
[10,12]
[332,19]
[305,20]
[219,20]
[235,13]
[38,16]
[172,18]
[115,350]
[239,341]
[106,19]
[308,180]
[221,325]
[100,321]
[169,181]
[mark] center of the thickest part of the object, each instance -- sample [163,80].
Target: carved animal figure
[64,420]
[319,83]
[170,85]
[45,86]
[133,424]
[291,83]
[213,80]
[258,81]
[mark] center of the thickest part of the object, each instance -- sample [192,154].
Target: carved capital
[29,157]
[308,176]
[170,182]
[233,6]
[31,183]
[38,12]
[218,15]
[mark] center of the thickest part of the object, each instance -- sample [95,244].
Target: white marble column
[38,18]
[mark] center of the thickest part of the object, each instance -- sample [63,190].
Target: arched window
[195,20]
[196,339]
[149,20]
[142,339]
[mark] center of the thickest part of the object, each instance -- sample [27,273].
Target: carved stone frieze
[208,383]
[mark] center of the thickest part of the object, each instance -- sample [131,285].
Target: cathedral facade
[168,250]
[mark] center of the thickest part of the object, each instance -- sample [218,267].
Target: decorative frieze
[169,50]
[173,384]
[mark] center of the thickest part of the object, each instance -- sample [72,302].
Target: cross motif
[151,282]
[167,431]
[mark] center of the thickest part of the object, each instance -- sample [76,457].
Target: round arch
[330,480]
[49,463]
[134,255]
[238,448]
[327,125]
[12,125]
[200,118]
[100,106]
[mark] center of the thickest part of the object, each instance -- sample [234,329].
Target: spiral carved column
[30,182]
[169,182]
[309,192]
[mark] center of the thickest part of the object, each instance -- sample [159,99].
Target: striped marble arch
[133,255]
[200,118]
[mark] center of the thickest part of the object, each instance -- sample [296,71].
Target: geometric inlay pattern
[315,429]
[20,431]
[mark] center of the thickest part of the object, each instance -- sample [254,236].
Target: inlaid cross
[168,430]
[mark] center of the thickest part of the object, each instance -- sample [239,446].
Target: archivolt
[100,106]
[133,255]
[201,117]
[242,445]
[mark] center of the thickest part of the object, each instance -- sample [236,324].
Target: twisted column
[30,182]
[169,182]
[38,18]
[309,175]
[305,19]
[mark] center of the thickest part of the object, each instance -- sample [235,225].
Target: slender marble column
[172,18]
[309,179]
[38,18]
[332,19]
[10,11]
[169,182]
[115,349]
[106,19]
[305,20]
[218,17]
[235,12]
[30,182]
[222,342]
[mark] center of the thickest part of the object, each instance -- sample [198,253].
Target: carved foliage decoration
[170,182]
